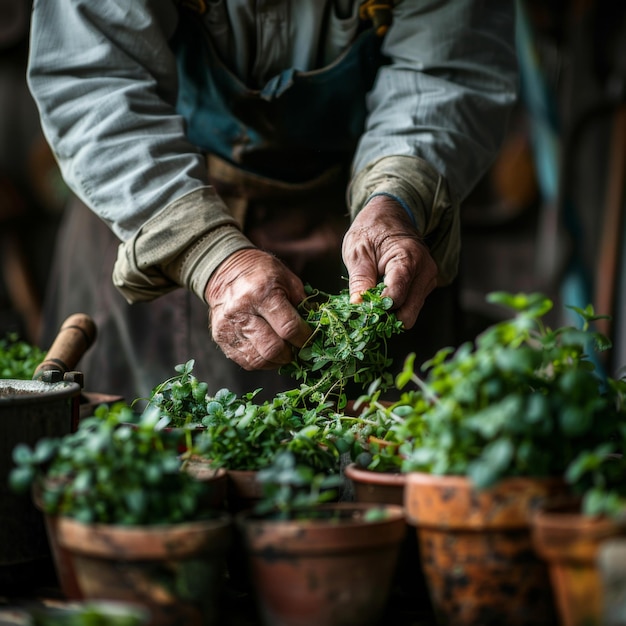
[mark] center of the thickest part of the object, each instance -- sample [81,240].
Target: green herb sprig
[348,343]
[182,398]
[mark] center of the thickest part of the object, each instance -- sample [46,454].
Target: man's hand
[382,242]
[252,298]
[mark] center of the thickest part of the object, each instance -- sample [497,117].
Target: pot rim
[148,541]
[395,511]
[315,536]
[362,475]
[36,391]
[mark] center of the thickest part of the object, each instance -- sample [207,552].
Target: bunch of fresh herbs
[348,343]
[243,435]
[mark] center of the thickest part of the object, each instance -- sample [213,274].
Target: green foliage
[597,474]
[19,359]
[348,343]
[293,490]
[88,613]
[376,432]
[522,400]
[182,398]
[125,468]
[109,471]
[240,434]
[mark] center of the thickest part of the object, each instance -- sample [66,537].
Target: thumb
[362,275]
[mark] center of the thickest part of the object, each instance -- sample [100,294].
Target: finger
[410,297]
[362,271]
[284,322]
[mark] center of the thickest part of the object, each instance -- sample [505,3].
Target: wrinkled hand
[382,242]
[252,298]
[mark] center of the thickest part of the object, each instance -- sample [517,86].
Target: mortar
[29,410]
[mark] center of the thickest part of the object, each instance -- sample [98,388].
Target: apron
[293,129]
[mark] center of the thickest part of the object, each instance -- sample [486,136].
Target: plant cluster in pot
[318,562]
[582,539]
[495,425]
[129,525]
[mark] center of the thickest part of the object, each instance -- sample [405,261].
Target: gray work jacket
[104,77]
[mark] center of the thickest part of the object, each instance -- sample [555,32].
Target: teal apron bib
[294,128]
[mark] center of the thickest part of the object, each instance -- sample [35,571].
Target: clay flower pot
[409,585]
[335,569]
[62,558]
[379,487]
[172,570]
[569,542]
[214,479]
[244,490]
[476,549]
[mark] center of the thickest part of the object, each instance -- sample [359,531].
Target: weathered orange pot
[62,558]
[569,542]
[174,571]
[476,549]
[333,570]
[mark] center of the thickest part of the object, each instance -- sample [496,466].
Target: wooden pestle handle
[75,337]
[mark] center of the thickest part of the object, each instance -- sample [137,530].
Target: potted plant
[132,523]
[313,562]
[496,424]
[18,358]
[571,535]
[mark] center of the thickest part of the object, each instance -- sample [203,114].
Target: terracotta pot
[409,584]
[62,558]
[570,542]
[244,490]
[326,570]
[380,487]
[476,549]
[174,571]
[214,479]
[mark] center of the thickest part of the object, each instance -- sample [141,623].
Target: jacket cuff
[424,195]
[179,247]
